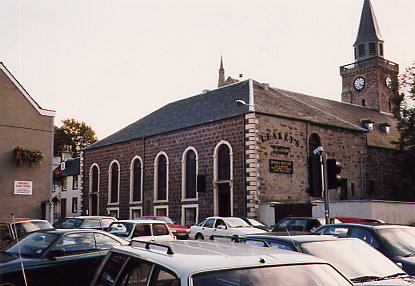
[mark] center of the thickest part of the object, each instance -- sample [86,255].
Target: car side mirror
[56,253]
[399,264]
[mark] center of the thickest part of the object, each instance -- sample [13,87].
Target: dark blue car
[397,242]
[55,257]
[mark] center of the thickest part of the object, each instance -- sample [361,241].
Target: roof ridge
[316,108]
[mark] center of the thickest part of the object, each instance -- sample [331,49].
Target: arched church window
[161,193]
[136,180]
[224,163]
[114,183]
[313,142]
[190,175]
[94,179]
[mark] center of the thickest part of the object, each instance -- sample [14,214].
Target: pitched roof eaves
[40,110]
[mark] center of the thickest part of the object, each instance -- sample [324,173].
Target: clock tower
[369,81]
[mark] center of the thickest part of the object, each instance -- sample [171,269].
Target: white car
[145,230]
[205,263]
[222,226]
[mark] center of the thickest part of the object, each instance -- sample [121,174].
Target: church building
[251,146]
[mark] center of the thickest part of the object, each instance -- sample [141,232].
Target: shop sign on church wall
[281,166]
[279,138]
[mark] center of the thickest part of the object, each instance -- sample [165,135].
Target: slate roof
[368,28]
[72,167]
[220,104]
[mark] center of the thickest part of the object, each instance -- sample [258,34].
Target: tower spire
[369,41]
[221,80]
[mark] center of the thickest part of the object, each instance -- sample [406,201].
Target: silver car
[203,263]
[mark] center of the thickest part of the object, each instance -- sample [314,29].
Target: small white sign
[23,187]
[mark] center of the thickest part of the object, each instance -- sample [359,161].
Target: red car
[180,231]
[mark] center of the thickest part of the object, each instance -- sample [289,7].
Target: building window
[362,52]
[381,49]
[75,182]
[74,205]
[314,141]
[114,212]
[224,163]
[372,48]
[161,211]
[161,178]
[65,185]
[136,180]
[135,212]
[363,102]
[189,215]
[223,187]
[114,183]
[94,177]
[189,174]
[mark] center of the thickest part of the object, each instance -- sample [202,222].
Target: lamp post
[241,102]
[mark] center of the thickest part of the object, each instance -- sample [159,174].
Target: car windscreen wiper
[396,275]
[409,254]
[365,278]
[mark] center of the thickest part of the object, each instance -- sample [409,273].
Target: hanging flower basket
[59,178]
[22,155]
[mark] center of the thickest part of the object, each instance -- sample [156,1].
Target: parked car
[349,219]
[180,231]
[11,229]
[300,223]
[256,223]
[222,226]
[146,230]
[56,257]
[205,263]
[91,222]
[359,262]
[397,242]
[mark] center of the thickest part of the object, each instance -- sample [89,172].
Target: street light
[241,102]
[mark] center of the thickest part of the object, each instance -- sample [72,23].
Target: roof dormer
[367,123]
[384,126]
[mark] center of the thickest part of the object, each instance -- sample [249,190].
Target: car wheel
[199,236]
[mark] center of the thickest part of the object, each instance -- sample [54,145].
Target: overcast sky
[109,63]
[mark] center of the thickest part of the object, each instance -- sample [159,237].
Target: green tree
[74,135]
[405,113]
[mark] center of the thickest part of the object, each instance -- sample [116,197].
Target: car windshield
[399,241]
[121,229]
[69,223]
[236,222]
[285,275]
[30,226]
[33,245]
[353,257]
[255,222]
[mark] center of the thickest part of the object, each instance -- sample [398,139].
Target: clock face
[388,82]
[359,83]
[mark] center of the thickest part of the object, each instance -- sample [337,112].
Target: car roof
[21,220]
[86,216]
[370,225]
[72,230]
[191,256]
[299,238]
[141,221]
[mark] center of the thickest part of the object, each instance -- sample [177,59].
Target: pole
[325,188]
